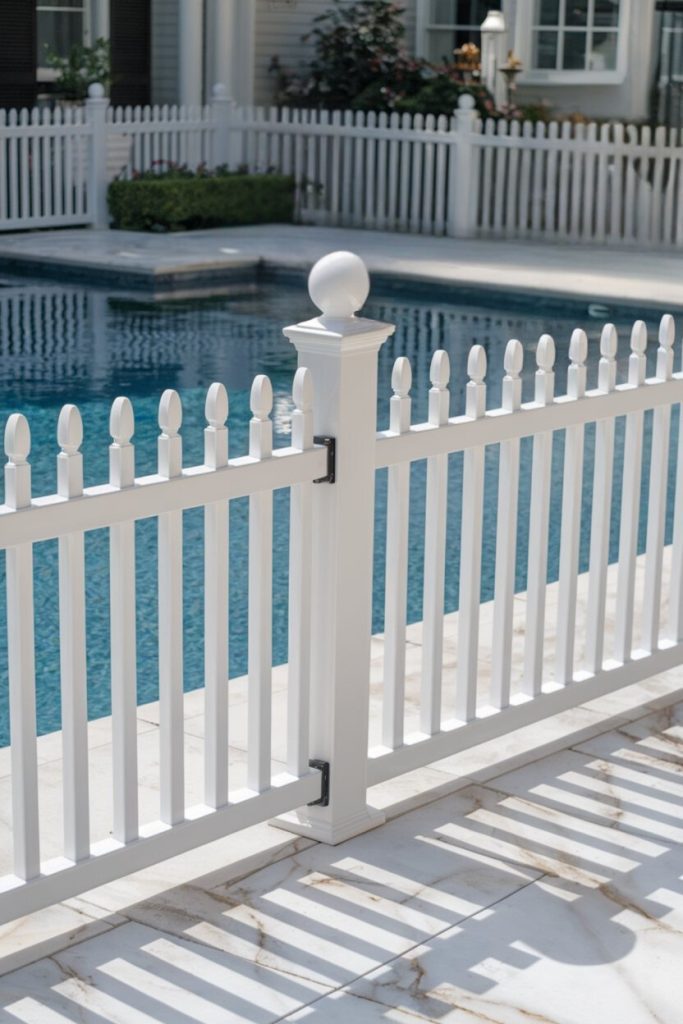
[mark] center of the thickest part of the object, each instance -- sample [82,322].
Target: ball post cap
[339,284]
[96,91]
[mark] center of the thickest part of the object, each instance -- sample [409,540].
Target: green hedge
[186,203]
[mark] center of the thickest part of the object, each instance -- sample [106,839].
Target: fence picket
[539,516]
[170,573]
[630,502]
[21,659]
[602,507]
[436,498]
[675,626]
[396,582]
[513,209]
[656,506]
[470,545]
[260,595]
[216,518]
[506,537]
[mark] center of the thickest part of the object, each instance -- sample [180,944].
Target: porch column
[99,20]
[494,47]
[222,31]
[190,51]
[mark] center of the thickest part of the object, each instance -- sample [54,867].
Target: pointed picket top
[216,410]
[399,406]
[70,429]
[302,417]
[578,353]
[169,444]
[607,369]
[665,352]
[70,460]
[121,451]
[260,426]
[545,374]
[637,363]
[439,395]
[121,421]
[475,391]
[17,469]
[170,413]
[513,361]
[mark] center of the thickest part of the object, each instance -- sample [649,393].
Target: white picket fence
[457,176]
[331,530]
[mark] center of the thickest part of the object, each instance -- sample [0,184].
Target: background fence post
[463,198]
[96,112]
[224,149]
[341,352]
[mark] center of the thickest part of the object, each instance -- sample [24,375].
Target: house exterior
[603,58]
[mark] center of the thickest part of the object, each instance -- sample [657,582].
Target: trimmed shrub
[185,203]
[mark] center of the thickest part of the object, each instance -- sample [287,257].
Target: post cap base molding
[316,823]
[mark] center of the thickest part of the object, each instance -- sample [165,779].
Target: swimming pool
[85,345]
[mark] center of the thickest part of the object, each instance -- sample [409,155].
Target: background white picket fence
[331,536]
[457,176]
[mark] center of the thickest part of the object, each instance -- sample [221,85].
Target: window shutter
[130,22]
[18,86]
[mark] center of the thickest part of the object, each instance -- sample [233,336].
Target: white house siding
[164,51]
[280,24]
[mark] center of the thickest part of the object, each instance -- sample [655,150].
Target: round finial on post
[476,364]
[440,369]
[261,398]
[121,421]
[339,285]
[170,413]
[216,405]
[401,377]
[466,101]
[545,353]
[70,430]
[17,439]
[302,389]
[95,91]
[513,361]
[219,91]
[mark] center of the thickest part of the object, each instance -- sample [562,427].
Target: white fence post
[341,352]
[225,138]
[463,184]
[96,109]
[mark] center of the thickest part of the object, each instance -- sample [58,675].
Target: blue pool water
[70,343]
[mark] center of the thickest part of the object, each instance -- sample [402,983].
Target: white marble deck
[536,878]
[594,273]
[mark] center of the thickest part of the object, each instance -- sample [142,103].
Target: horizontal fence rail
[437,175]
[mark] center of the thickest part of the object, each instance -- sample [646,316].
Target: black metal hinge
[324,768]
[330,444]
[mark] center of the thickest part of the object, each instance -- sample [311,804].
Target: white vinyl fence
[331,530]
[457,176]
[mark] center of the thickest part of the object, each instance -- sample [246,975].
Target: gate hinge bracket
[324,768]
[330,444]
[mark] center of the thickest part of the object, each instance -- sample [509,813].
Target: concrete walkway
[170,262]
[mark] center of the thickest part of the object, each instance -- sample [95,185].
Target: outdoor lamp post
[510,70]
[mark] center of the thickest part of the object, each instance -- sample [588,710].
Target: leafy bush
[83,66]
[182,200]
[360,63]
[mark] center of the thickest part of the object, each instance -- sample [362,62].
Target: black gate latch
[330,444]
[324,768]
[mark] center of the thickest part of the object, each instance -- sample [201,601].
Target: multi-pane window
[576,35]
[61,24]
[451,23]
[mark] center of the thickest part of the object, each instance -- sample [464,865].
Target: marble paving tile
[548,954]
[142,975]
[330,914]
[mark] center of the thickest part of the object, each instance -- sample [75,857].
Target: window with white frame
[576,35]
[449,24]
[60,25]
